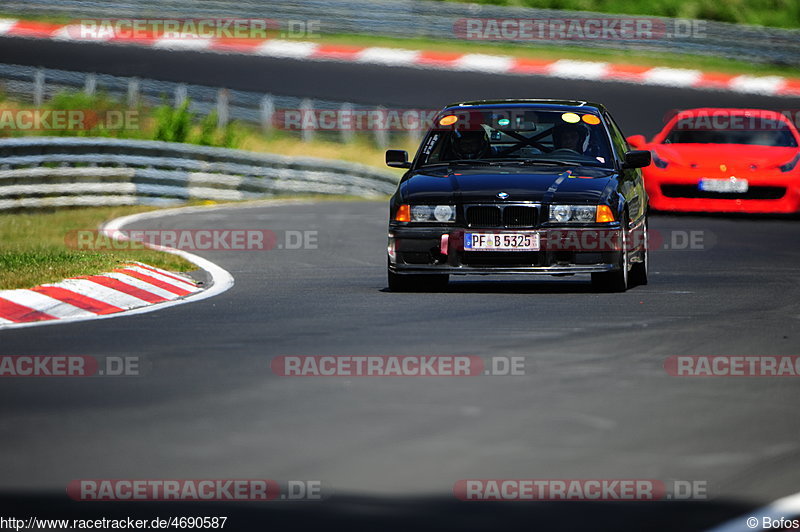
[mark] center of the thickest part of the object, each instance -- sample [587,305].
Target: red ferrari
[724,160]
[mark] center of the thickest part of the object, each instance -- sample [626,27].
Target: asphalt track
[595,401]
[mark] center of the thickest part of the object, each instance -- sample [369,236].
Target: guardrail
[416,18]
[59,171]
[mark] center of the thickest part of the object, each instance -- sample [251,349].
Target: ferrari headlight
[573,213]
[788,167]
[433,213]
[658,161]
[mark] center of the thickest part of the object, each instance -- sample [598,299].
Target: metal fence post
[90,84]
[223,109]
[380,128]
[267,113]
[306,112]
[181,94]
[345,123]
[133,92]
[415,133]
[38,88]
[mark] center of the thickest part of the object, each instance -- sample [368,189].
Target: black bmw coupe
[519,187]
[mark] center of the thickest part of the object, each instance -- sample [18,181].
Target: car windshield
[761,132]
[526,135]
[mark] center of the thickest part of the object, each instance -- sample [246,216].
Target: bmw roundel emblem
[502,195]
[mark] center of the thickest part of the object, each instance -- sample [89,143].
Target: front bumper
[680,193]
[563,251]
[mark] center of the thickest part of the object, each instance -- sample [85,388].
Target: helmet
[470,144]
[571,136]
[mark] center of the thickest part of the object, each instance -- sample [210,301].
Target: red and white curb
[495,64]
[135,288]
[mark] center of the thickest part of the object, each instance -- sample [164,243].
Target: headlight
[573,213]
[433,213]
[788,167]
[658,161]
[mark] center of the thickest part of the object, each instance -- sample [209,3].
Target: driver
[471,144]
[574,137]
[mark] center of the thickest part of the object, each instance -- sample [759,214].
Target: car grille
[753,193]
[519,216]
[502,216]
[483,216]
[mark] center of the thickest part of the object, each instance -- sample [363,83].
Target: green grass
[35,249]
[361,150]
[779,13]
[37,17]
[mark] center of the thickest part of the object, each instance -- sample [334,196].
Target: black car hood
[539,184]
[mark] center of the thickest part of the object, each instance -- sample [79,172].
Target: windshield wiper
[520,160]
[461,162]
[482,162]
[511,160]
[552,162]
[559,162]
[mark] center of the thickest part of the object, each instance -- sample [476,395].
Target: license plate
[738,186]
[501,242]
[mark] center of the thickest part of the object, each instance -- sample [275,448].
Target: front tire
[640,269]
[617,280]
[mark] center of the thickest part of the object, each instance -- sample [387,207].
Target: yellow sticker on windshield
[571,118]
[591,119]
[448,120]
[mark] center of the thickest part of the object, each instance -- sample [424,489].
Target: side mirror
[636,141]
[397,159]
[636,159]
